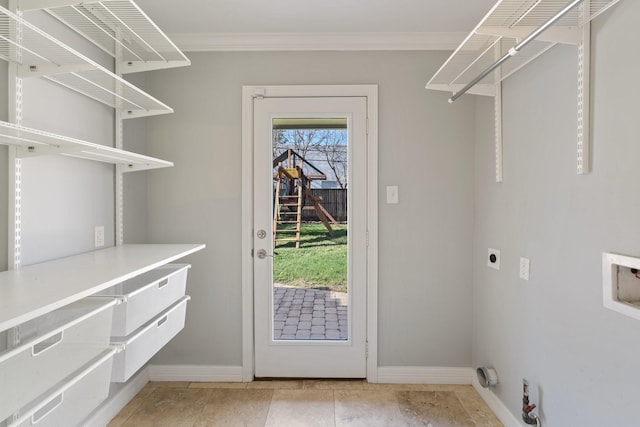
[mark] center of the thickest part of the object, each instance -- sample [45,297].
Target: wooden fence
[334,200]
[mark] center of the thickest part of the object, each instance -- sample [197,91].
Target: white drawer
[141,345]
[146,295]
[74,399]
[53,347]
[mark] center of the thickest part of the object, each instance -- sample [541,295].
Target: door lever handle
[262,254]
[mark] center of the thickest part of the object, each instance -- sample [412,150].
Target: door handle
[262,254]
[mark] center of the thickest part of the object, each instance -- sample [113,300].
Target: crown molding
[230,42]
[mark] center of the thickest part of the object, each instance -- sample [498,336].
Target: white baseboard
[424,375]
[496,405]
[195,373]
[117,400]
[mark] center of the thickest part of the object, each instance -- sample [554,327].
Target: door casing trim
[248,95]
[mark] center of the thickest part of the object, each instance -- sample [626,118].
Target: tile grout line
[266,419]
[464,407]
[335,412]
[200,415]
[137,407]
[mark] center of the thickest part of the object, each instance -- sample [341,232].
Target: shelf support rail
[514,50]
[15,179]
[584,94]
[119,143]
[15,163]
[497,105]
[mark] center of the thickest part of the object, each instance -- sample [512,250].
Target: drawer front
[74,401]
[147,295]
[148,340]
[37,366]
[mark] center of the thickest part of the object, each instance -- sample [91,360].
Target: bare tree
[328,146]
[334,149]
[299,140]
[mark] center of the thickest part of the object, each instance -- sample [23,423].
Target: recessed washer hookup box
[621,284]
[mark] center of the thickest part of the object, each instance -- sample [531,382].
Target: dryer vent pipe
[487,377]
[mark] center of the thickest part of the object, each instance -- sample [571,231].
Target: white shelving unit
[32,142]
[56,310]
[34,294]
[121,29]
[512,34]
[118,27]
[37,54]
[41,288]
[507,24]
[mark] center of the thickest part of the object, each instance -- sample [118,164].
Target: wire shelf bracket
[30,142]
[37,54]
[521,31]
[118,27]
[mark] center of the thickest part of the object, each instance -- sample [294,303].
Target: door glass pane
[310,226]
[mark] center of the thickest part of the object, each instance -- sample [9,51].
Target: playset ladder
[288,208]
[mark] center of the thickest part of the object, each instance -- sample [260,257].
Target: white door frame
[248,95]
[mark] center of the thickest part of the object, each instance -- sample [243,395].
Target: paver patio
[309,314]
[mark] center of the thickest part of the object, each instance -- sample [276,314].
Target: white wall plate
[621,284]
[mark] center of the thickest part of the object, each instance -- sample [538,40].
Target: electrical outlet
[98,236]
[493,258]
[525,267]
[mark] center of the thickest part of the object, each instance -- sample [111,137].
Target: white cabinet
[143,343]
[74,398]
[53,346]
[146,295]
[62,368]
[152,312]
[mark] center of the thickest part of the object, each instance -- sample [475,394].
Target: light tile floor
[306,403]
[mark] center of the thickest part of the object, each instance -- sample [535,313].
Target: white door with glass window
[303,327]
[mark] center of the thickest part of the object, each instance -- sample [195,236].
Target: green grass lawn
[320,262]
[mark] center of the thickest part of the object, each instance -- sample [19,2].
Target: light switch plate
[525,268]
[392,194]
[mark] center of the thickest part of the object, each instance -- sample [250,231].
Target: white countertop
[40,288]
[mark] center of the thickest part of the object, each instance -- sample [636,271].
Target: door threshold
[274,379]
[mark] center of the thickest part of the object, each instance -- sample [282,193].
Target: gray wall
[580,358]
[62,198]
[426,148]
[135,183]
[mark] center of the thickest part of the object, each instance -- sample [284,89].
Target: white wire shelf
[37,54]
[506,25]
[120,28]
[33,142]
